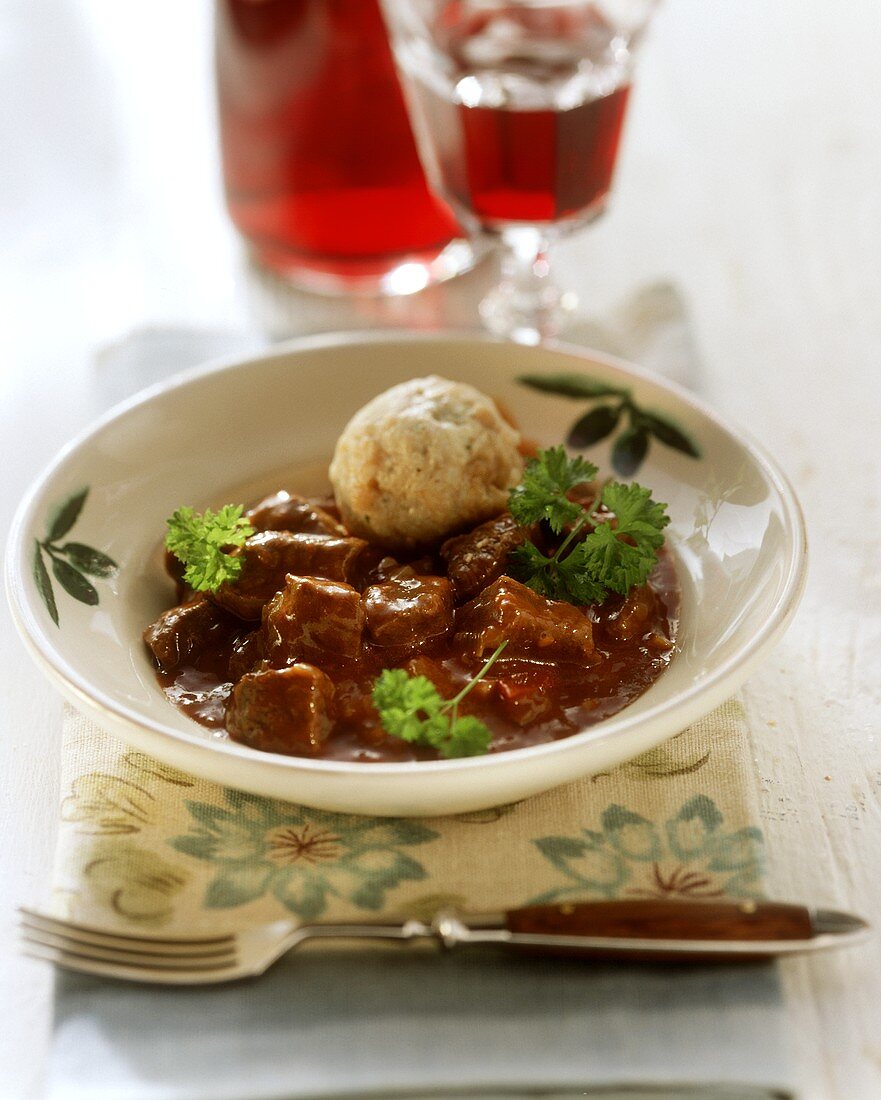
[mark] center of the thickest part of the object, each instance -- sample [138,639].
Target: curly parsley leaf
[541,495]
[530,565]
[620,551]
[411,707]
[467,736]
[623,553]
[200,541]
[637,515]
[579,582]
[619,564]
[557,579]
[405,703]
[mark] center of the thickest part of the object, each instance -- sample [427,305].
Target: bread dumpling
[422,461]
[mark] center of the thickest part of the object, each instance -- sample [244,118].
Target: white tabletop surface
[751,177]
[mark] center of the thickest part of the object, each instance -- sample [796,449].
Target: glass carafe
[320,166]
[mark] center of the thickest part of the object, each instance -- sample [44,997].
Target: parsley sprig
[621,550]
[541,495]
[411,707]
[200,541]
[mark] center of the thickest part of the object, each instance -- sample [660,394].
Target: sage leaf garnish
[43,583]
[642,425]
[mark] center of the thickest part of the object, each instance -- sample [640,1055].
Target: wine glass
[517,106]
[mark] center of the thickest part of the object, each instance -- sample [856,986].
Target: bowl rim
[39,644]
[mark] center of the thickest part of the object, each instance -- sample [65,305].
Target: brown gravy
[522,701]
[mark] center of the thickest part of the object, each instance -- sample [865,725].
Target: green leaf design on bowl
[631,445]
[44,583]
[72,563]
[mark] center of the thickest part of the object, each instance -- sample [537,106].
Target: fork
[645,930]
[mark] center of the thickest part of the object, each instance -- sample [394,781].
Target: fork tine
[57,945]
[62,927]
[153,975]
[135,956]
[74,934]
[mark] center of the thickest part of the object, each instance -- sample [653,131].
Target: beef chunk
[527,694]
[286,512]
[282,710]
[435,671]
[271,555]
[353,706]
[408,611]
[247,653]
[536,628]
[328,504]
[386,567]
[174,567]
[586,494]
[181,633]
[310,617]
[479,557]
[631,618]
[374,566]
[447,683]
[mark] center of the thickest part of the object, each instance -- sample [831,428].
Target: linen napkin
[143,846]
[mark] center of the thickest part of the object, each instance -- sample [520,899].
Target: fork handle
[660,919]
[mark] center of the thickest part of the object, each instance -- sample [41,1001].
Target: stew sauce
[285,658]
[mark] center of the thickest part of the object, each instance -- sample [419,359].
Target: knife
[640,930]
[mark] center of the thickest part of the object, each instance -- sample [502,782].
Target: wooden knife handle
[664,919]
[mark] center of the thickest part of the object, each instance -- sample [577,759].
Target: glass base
[527,306]
[527,319]
[385,277]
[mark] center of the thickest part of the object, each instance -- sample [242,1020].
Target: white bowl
[231,431]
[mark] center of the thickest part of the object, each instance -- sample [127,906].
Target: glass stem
[526,306]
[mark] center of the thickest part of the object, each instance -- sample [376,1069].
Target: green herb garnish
[541,495]
[411,707]
[200,540]
[620,551]
[642,424]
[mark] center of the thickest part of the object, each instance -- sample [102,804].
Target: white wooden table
[751,177]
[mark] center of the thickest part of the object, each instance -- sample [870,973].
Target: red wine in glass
[518,107]
[536,166]
[526,121]
[320,165]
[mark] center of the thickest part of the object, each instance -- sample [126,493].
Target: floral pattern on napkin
[143,844]
[691,855]
[301,857]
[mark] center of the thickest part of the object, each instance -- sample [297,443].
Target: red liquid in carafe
[319,161]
